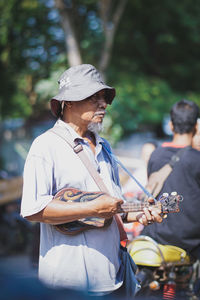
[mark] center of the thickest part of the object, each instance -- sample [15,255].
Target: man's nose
[103,103]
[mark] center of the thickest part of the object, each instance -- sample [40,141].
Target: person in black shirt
[180,229]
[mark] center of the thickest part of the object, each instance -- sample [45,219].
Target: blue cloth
[128,267]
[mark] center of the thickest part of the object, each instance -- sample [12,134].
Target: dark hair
[184,115]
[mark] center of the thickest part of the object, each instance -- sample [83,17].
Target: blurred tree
[29,45]
[141,103]
[162,39]
[103,16]
[153,56]
[66,10]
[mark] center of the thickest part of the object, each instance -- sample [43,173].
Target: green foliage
[140,101]
[141,104]
[112,130]
[161,39]
[28,47]
[155,59]
[46,88]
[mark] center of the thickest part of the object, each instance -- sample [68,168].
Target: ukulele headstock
[170,202]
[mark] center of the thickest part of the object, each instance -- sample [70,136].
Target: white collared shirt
[90,260]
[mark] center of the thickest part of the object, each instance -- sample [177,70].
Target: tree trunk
[110,14]
[73,50]
[110,25]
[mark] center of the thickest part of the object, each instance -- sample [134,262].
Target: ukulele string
[129,173]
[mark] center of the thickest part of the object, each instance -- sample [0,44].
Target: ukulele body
[75,227]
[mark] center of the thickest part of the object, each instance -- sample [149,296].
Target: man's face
[90,110]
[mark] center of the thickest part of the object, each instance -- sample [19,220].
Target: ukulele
[167,203]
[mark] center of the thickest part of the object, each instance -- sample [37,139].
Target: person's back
[180,229]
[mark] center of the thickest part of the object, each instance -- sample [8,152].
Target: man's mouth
[100,114]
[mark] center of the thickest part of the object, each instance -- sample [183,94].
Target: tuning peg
[174,193]
[165,194]
[180,198]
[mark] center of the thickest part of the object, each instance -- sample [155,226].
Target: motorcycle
[164,271]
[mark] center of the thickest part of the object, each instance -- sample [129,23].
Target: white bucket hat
[78,83]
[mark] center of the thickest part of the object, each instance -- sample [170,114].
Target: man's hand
[106,206]
[148,215]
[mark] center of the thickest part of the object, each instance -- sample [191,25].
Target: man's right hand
[106,206]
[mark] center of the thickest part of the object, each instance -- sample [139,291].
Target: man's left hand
[148,216]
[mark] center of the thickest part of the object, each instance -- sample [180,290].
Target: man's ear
[68,104]
[195,129]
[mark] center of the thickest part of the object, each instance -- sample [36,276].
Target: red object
[123,243]
[173,145]
[169,290]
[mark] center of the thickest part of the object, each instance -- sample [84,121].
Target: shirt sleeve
[37,185]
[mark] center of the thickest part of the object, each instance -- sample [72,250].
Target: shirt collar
[72,132]
[99,140]
[173,145]
[75,135]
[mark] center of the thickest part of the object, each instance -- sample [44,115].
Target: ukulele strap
[78,149]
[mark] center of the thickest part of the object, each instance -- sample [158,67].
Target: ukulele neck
[133,207]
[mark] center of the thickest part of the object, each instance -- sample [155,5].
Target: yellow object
[145,251]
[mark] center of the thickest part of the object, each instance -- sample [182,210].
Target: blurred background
[148,50]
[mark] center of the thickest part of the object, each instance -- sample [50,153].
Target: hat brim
[79,95]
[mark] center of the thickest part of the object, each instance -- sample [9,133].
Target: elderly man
[88,260]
